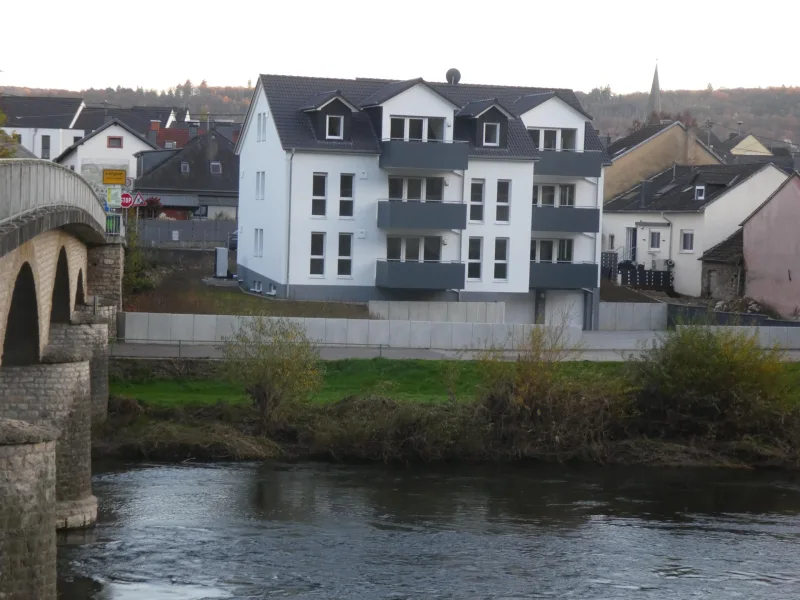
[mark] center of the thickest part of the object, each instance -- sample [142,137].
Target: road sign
[113,196]
[129,182]
[138,200]
[126,200]
[114,176]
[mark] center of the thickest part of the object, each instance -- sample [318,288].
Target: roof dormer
[490,120]
[331,115]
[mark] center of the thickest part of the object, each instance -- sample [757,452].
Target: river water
[321,531]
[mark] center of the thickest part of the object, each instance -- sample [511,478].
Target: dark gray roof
[632,140]
[325,97]
[476,107]
[103,127]
[43,112]
[138,117]
[673,190]
[730,250]
[199,153]
[288,95]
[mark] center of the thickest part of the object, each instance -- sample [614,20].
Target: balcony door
[414,249]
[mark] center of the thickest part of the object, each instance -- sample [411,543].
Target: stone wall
[721,281]
[104,312]
[27,511]
[58,396]
[106,266]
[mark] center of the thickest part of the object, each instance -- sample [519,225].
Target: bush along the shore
[697,396]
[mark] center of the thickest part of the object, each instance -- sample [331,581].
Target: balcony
[563,276]
[417,154]
[413,214]
[414,275]
[567,163]
[573,219]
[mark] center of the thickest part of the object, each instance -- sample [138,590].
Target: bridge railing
[29,184]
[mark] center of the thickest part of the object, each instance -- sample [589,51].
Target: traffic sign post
[138,200]
[126,200]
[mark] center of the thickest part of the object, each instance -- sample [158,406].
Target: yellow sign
[114,176]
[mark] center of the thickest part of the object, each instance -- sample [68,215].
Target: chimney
[691,146]
[152,133]
[644,189]
[193,129]
[155,124]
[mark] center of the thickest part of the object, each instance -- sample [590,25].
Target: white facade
[718,221]
[276,224]
[31,138]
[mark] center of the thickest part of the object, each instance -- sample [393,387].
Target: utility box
[221,263]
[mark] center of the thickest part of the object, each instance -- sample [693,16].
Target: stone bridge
[60,286]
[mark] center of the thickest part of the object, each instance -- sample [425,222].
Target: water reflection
[323,531]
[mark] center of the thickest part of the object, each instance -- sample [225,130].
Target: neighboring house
[723,272]
[16,150]
[199,180]
[683,211]
[359,189]
[652,149]
[45,125]
[139,118]
[772,250]
[179,133]
[111,146]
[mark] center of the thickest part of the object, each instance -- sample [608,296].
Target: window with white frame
[414,249]
[536,195]
[263,185]
[429,129]
[334,127]
[655,240]
[114,141]
[548,195]
[344,267]
[474,253]
[427,189]
[569,139]
[216,167]
[550,139]
[542,250]
[263,126]
[501,258]
[700,192]
[319,194]
[565,250]
[317,266]
[258,185]
[503,208]
[610,241]
[566,194]
[258,129]
[185,167]
[169,145]
[491,134]
[346,194]
[258,243]
[476,200]
[536,136]
[687,240]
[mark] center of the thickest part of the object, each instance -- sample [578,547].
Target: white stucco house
[361,189]
[669,220]
[44,125]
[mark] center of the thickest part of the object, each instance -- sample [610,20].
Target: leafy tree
[8,147]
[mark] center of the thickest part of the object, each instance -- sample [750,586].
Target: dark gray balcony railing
[413,214]
[420,275]
[563,276]
[569,163]
[416,154]
[565,218]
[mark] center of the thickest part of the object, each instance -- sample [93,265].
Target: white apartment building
[668,221]
[44,125]
[363,189]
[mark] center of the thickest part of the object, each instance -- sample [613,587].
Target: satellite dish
[453,76]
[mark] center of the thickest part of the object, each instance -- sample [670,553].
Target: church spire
[654,101]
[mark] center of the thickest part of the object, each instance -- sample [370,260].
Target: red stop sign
[126,200]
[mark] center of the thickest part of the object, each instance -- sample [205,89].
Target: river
[322,531]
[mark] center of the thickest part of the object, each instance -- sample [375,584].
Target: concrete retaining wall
[633,316]
[440,312]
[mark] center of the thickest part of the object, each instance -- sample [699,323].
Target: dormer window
[184,167]
[334,127]
[700,192]
[216,167]
[491,134]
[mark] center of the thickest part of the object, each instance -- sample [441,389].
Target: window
[344,267]
[430,189]
[435,130]
[258,242]
[414,189]
[569,139]
[700,192]
[503,201]
[534,245]
[433,249]
[430,129]
[75,138]
[434,189]
[334,127]
[474,251]
[550,137]
[45,146]
[397,129]
[216,167]
[535,195]
[687,240]
[567,195]
[491,134]
[72,167]
[113,142]
[501,258]
[476,200]
[548,195]
[184,167]
[394,248]
[415,127]
[414,249]
[260,185]
[317,266]
[263,127]
[258,131]
[346,195]
[546,251]
[610,241]
[655,240]
[536,136]
[395,188]
[169,145]
[319,194]
[565,251]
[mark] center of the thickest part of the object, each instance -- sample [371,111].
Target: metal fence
[647,279]
[159,233]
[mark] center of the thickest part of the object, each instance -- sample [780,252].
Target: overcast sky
[559,43]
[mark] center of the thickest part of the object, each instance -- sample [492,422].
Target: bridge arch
[61,303]
[21,340]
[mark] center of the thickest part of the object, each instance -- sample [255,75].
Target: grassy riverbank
[412,411]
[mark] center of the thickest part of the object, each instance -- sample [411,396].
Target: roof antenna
[453,76]
[739,124]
